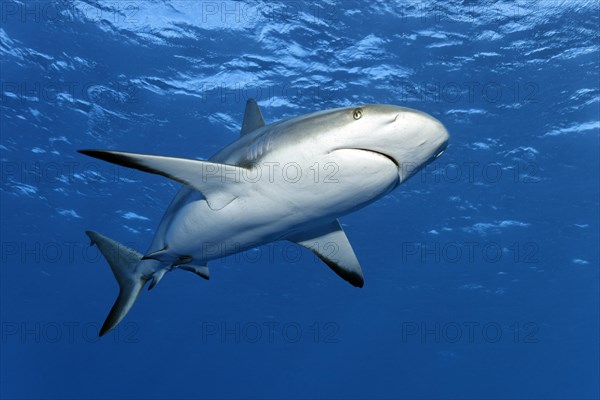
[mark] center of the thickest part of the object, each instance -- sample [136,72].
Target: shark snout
[419,139]
[434,135]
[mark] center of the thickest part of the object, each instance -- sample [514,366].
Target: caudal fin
[123,262]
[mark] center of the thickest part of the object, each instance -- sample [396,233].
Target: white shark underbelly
[291,203]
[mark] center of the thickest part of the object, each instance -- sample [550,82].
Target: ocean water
[481,271]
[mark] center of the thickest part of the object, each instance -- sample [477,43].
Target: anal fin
[200,270]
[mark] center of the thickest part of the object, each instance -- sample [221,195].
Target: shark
[289,180]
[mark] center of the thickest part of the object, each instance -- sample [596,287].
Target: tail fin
[123,262]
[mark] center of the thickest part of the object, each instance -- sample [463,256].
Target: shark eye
[357,113]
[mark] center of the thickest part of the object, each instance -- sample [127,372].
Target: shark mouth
[392,159]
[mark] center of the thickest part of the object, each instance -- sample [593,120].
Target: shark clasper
[290,180]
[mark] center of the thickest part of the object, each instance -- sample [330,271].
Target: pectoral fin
[220,184]
[330,244]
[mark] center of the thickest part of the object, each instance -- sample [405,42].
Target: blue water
[481,272]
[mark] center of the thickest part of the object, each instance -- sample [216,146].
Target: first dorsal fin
[330,243]
[253,118]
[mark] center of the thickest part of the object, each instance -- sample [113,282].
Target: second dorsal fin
[253,118]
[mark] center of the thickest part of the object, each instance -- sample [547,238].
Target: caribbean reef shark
[289,180]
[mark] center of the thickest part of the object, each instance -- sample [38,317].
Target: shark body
[290,180]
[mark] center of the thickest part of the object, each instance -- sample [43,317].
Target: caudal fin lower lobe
[123,262]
